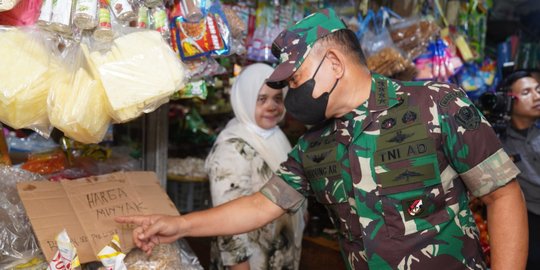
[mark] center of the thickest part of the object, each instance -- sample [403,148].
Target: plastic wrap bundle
[17,241]
[26,72]
[77,104]
[139,73]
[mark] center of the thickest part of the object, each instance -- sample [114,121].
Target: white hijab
[271,144]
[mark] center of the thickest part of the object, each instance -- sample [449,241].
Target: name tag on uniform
[320,159]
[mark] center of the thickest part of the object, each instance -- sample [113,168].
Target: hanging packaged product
[138,73]
[104,30]
[123,10]
[142,17]
[4,153]
[208,36]
[191,90]
[24,87]
[153,3]
[85,16]
[216,11]
[8,4]
[192,10]
[260,45]
[160,22]
[45,14]
[438,63]
[412,35]
[61,16]
[77,104]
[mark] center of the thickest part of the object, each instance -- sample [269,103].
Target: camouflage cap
[292,45]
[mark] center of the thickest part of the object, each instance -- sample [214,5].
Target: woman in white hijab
[242,160]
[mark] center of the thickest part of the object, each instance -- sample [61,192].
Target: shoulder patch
[468,117]
[450,96]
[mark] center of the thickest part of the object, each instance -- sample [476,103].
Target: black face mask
[300,103]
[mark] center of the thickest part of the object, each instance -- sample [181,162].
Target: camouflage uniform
[394,175]
[395,172]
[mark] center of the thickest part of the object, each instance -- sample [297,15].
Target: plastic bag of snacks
[382,55]
[77,104]
[172,256]
[438,63]
[138,72]
[412,35]
[17,241]
[23,87]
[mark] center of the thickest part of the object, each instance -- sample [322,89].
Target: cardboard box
[86,208]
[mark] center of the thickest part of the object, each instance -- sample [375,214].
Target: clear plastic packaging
[85,16]
[412,35]
[173,256]
[77,104]
[61,16]
[104,30]
[139,72]
[24,87]
[123,10]
[17,240]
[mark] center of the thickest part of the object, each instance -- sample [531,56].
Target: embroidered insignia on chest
[408,117]
[400,137]
[416,207]
[317,158]
[406,175]
[468,117]
[388,123]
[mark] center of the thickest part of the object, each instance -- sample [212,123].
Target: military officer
[394,163]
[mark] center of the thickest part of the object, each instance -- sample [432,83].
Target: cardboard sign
[86,208]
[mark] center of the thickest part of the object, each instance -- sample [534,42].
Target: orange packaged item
[4,154]
[46,163]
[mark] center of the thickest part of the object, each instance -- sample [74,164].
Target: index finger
[137,220]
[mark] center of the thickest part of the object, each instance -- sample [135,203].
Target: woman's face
[269,108]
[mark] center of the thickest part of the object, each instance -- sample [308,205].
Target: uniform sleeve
[229,173]
[470,144]
[288,187]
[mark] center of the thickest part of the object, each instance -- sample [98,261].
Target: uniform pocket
[414,208]
[331,193]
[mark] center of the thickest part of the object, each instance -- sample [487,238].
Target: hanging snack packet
[191,90]
[197,39]
[61,16]
[104,30]
[45,14]
[111,255]
[216,11]
[123,10]
[142,17]
[152,3]
[161,22]
[85,14]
